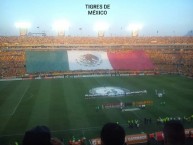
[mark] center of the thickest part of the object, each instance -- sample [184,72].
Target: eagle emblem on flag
[89,60]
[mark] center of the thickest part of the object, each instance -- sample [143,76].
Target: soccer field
[60,104]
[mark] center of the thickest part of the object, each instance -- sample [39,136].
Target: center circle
[108,91]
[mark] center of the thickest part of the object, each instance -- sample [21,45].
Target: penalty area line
[19,102]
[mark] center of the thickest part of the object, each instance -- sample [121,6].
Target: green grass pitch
[61,105]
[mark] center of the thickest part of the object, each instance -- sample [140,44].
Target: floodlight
[134,27]
[101,26]
[24,25]
[61,25]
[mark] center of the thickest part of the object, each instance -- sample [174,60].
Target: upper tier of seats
[51,40]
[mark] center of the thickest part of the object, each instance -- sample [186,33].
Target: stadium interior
[53,57]
[168,54]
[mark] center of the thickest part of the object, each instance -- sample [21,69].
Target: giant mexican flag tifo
[62,60]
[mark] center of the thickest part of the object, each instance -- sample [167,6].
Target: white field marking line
[86,128]
[19,102]
[11,114]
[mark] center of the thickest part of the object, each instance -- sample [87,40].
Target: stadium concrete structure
[65,78]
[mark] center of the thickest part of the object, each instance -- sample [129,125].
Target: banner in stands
[134,60]
[137,138]
[62,60]
[92,60]
[143,138]
[129,139]
[160,135]
[88,60]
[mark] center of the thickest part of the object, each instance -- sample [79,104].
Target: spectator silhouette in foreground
[174,133]
[112,134]
[40,135]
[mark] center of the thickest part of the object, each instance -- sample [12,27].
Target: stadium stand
[135,60]
[31,57]
[172,60]
[157,54]
[50,40]
[12,63]
[46,61]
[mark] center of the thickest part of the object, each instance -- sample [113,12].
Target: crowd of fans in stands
[32,40]
[12,63]
[165,60]
[172,60]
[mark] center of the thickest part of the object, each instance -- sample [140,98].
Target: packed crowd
[165,60]
[172,60]
[12,63]
[51,40]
